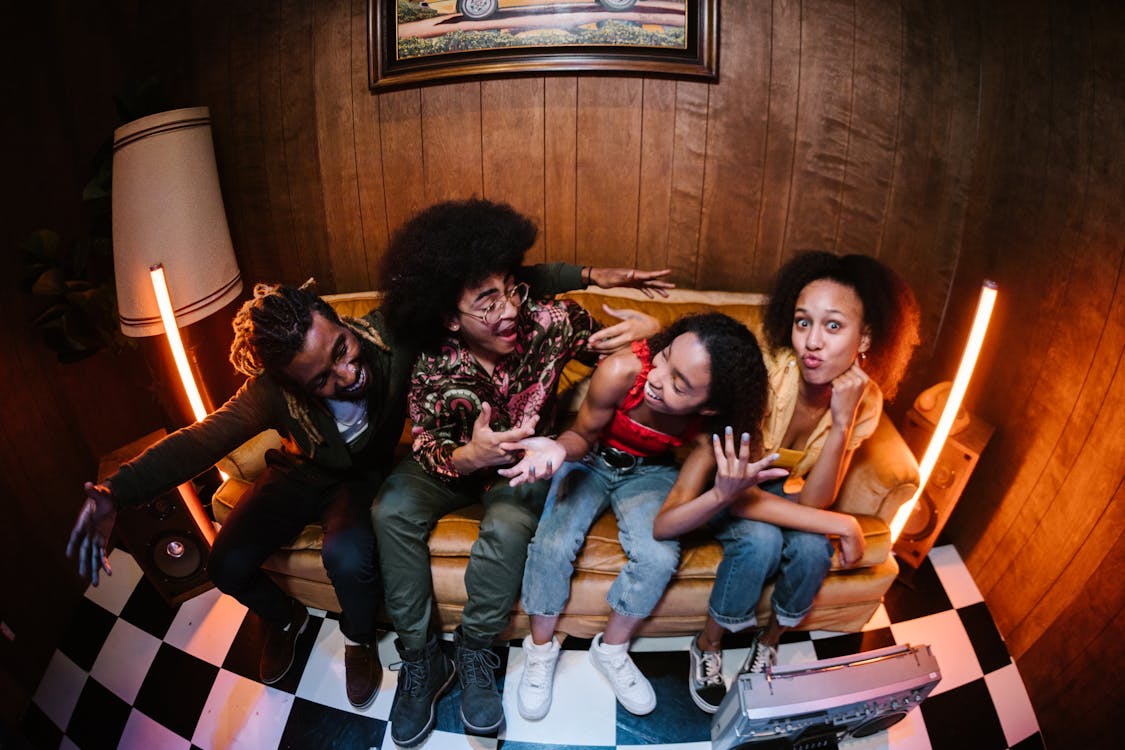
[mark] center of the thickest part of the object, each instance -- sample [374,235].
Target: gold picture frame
[417,43]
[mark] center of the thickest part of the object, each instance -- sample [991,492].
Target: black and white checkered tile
[134,673]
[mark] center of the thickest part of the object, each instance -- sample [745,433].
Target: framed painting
[414,42]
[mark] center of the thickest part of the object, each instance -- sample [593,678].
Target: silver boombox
[816,704]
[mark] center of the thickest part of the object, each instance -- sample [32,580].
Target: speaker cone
[177,554]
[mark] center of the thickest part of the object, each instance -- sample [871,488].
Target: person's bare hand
[852,542]
[649,282]
[91,532]
[734,472]
[847,390]
[486,447]
[542,457]
[634,325]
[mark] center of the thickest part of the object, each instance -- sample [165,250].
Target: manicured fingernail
[746,437]
[730,430]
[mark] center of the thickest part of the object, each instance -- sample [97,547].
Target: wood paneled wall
[954,140]
[1042,526]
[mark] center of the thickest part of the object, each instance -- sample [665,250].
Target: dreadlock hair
[738,392]
[890,311]
[439,253]
[270,330]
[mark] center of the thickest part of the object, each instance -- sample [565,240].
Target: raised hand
[847,390]
[649,282]
[91,532]
[486,447]
[734,473]
[542,457]
[634,325]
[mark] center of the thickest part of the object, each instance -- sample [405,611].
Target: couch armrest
[248,460]
[883,475]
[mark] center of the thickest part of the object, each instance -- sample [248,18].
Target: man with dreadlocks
[335,389]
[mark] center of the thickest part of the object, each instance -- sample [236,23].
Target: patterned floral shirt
[449,386]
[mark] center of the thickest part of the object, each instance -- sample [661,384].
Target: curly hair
[890,311]
[738,392]
[270,330]
[440,252]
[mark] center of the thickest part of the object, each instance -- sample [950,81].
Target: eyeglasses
[490,315]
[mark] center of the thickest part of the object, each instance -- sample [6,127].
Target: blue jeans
[753,553]
[581,492]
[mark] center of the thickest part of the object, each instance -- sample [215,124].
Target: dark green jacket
[260,404]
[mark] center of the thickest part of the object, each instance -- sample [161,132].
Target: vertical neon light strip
[952,404]
[164,302]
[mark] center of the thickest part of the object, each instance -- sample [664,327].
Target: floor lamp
[172,254]
[174,265]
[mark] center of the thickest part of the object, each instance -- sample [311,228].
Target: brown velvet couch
[883,475]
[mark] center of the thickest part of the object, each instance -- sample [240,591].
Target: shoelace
[536,670]
[624,670]
[411,678]
[476,665]
[764,657]
[710,671]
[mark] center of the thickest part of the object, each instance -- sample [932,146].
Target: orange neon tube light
[953,403]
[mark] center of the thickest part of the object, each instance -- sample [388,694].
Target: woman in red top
[643,404]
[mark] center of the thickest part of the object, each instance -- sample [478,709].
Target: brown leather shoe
[280,645]
[362,673]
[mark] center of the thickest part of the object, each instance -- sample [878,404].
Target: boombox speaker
[815,705]
[170,538]
[935,504]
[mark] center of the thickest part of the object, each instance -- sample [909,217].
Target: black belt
[622,461]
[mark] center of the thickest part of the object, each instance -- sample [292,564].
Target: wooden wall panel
[400,130]
[688,169]
[512,149]
[736,147]
[872,135]
[658,152]
[367,136]
[781,136]
[823,126]
[609,165]
[336,145]
[560,168]
[451,142]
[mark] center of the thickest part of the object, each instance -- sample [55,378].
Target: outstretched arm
[650,283]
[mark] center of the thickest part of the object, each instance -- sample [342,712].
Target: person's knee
[815,548]
[230,568]
[755,541]
[349,553]
[657,558]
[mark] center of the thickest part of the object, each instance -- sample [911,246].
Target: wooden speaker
[955,464]
[170,537]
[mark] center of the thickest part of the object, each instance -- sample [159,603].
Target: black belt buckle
[616,459]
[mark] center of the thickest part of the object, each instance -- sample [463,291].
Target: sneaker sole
[300,630]
[701,704]
[634,709]
[482,730]
[419,738]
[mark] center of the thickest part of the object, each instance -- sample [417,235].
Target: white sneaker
[633,690]
[534,695]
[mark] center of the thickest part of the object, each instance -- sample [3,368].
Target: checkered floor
[134,673]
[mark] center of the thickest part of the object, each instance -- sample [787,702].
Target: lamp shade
[168,210]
